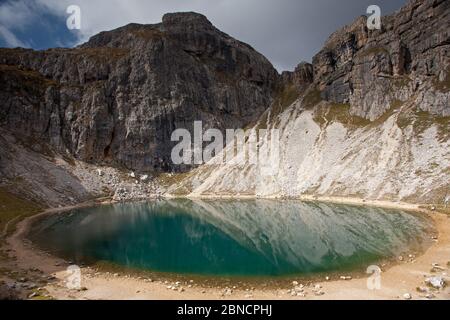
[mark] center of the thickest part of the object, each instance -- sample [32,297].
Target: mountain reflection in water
[233,237]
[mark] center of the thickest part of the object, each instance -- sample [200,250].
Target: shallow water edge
[208,280]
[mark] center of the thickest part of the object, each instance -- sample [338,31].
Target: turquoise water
[230,237]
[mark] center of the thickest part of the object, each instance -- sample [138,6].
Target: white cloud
[286,31]
[10,39]
[16,16]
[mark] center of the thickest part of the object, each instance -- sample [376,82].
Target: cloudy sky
[285,31]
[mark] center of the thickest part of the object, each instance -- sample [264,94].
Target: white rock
[435,282]
[144,177]
[228,292]
[407,296]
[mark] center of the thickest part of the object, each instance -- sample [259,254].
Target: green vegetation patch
[175,179]
[337,112]
[23,81]
[396,104]
[312,98]
[284,98]
[287,97]
[422,120]
[101,54]
[14,208]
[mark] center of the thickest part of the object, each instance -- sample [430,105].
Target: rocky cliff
[372,119]
[368,118]
[117,98]
[407,59]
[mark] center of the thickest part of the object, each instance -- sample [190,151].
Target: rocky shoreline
[103,283]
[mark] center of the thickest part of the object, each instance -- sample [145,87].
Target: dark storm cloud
[289,31]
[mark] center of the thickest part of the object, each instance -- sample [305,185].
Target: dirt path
[397,281]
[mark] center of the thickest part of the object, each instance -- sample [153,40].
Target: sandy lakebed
[404,279]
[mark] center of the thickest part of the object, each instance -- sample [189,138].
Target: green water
[242,238]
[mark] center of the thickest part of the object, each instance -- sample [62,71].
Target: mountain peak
[185,18]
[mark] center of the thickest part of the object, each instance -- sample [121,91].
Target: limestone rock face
[117,98]
[372,121]
[301,77]
[373,70]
